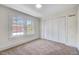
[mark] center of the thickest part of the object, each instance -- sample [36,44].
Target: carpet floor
[41,47]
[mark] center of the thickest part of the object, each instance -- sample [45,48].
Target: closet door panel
[62,29]
[71,29]
[54,30]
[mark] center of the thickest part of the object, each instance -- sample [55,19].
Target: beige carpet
[41,47]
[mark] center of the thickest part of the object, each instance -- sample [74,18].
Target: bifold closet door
[54,30]
[71,30]
[62,29]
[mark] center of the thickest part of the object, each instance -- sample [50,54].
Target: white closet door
[62,29]
[54,30]
[71,29]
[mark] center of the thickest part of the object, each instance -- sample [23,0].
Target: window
[17,26]
[21,26]
[29,28]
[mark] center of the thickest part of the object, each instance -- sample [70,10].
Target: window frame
[10,17]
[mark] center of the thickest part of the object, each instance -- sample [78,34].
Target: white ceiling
[48,9]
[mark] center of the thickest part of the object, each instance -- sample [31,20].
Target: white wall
[4,41]
[60,27]
[78,27]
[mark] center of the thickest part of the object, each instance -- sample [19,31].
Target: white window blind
[20,26]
